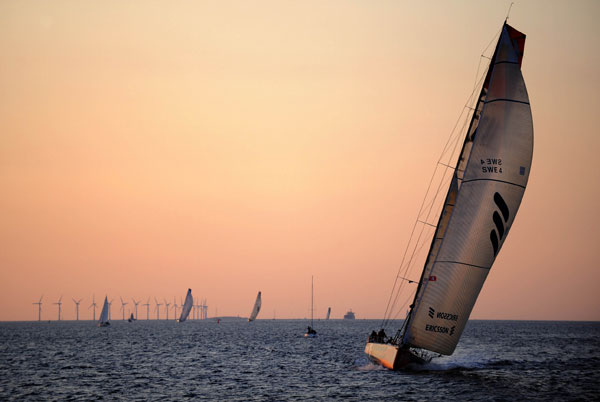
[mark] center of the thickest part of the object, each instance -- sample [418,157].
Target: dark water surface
[271,360]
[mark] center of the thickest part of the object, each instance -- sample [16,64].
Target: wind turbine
[157,309]
[167,307]
[136,304]
[147,304]
[123,304]
[93,305]
[59,305]
[204,309]
[77,306]
[175,306]
[109,306]
[39,308]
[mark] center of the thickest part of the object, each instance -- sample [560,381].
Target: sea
[271,360]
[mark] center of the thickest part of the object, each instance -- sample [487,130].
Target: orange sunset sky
[147,147]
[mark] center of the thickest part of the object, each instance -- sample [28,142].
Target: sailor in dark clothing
[373,336]
[381,335]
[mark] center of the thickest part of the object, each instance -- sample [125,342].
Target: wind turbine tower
[93,305]
[175,306]
[59,306]
[167,307]
[157,308]
[136,304]
[123,304]
[147,304]
[77,306]
[39,308]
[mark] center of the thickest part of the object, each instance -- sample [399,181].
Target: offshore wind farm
[200,310]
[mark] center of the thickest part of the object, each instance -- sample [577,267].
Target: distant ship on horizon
[349,315]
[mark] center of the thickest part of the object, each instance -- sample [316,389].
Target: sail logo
[439,329]
[497,234]
[431,312]
[452,330]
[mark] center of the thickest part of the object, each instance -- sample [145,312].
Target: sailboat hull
[103,324]
[391,356]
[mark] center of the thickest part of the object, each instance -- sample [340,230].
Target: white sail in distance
[104,314]
[256,308]
[187,306]
[484,196]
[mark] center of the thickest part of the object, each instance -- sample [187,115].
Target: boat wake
[458,365]
[363,364]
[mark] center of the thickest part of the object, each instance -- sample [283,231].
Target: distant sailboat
[187,306]
[131,319]
[310,332]
[328,314]
[256,308]
[484,195]
[103,322]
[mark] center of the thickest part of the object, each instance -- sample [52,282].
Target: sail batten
[482,200]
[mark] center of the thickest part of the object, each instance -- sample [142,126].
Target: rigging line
[408,265]
[429,207]
[427,192]
[408,280]
[415,251]
[408,245]
[406,301]
[398,291]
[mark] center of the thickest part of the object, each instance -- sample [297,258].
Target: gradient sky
[234,146]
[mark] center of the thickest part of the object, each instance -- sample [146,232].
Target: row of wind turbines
[199,311]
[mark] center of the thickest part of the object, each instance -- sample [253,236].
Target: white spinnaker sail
[256,308]
[104,313]
[187,306]
[481,205]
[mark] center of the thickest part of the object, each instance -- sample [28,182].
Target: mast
[311,300]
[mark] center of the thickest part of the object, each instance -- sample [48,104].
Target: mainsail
[187,306]
[485,193]
[104,314]
[328,313]
[256,308]
[482,201]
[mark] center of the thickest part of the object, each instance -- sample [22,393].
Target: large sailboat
[256,308]
[484,194]
[187,306]
[103,321]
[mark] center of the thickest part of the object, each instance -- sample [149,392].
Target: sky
[148,147]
